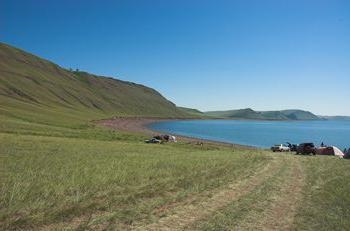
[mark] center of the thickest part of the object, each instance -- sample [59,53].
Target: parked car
[153,141]
[293,147]
[306,148]
[280,148]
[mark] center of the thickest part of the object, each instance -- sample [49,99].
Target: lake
[262,133]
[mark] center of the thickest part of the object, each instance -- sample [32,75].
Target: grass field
[95,178]
[50,180]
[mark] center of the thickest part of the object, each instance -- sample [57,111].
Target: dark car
[153,141]
[306,148]
[293,147]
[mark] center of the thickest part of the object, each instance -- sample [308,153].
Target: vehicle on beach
[280,148]
[153,141]
[159,139]
[306,149]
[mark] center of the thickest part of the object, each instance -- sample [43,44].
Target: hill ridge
[31,86]
[248,113]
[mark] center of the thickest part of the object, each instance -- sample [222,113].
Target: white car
[280,148]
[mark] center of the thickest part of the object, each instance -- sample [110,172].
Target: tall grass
[326,204]
[48,179]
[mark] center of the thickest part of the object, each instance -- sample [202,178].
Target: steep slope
[32,88]
[249,113]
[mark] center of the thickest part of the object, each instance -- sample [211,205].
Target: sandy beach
[140,125]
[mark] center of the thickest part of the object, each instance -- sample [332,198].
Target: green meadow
[87,177]
[47,180]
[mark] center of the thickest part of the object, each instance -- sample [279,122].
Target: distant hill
[299,115]
[335,117]
[240,113]
[249,113]
[192,111]
[34,89]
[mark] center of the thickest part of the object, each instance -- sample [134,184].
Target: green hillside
[299,115]
[193,112]
[240,113]
[249,113]
[36,90]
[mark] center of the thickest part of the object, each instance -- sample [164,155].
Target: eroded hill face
[31,87]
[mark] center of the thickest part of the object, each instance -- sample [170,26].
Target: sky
[208,55]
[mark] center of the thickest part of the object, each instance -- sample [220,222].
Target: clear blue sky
[208,55]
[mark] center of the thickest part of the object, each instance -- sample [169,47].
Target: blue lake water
[262,133]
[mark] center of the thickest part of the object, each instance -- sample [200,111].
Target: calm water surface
[262,133]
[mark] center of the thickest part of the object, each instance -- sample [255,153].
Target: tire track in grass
[271,206]
[109,219]
[184,215]
[282,212]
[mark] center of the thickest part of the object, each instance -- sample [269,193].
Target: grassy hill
[300,115]
[36,90]
[249,113]
[193,112]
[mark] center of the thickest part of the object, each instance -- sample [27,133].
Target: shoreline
[140,125]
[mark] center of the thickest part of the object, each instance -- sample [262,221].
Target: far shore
[140,125]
